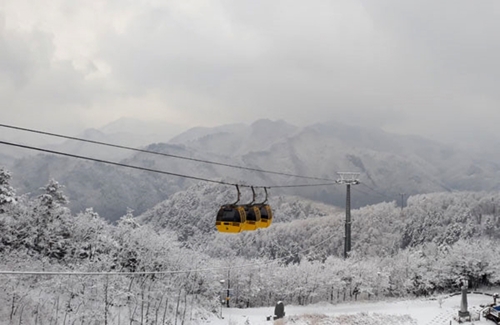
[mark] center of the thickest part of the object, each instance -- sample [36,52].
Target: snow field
[432,311]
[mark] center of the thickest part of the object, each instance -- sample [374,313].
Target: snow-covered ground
[416,312]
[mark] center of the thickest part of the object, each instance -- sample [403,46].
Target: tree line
[437,240]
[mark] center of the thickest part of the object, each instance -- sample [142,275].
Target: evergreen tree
[7,193]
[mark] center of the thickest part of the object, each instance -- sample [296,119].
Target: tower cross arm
[351,178]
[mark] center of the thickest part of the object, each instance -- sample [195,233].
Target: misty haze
[193,162]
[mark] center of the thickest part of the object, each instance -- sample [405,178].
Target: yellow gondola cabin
[230,218]
[253,218]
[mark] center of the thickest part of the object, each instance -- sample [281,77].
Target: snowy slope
[408,312]
[389,164]
[236,139]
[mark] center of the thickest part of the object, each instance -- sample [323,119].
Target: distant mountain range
[128,132]
[389,164]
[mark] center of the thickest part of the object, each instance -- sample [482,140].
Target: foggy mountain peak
[389,163]
[162,130]
[93,134]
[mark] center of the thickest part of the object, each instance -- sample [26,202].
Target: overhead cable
[362,192]
[381,194]
[162,154]
[155,170]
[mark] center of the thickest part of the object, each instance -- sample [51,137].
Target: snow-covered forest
[171,260]
[390,164]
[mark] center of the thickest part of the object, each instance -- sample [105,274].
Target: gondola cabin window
[230,218]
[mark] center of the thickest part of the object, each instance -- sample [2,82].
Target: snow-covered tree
[53,196]
[7,193]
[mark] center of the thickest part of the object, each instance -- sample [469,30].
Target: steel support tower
[348,178]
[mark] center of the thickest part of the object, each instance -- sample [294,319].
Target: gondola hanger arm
[239,194]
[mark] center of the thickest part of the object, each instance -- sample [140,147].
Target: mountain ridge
[389,164]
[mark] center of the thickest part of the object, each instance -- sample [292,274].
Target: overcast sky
[406,66]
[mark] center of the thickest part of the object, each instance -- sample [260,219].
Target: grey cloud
[285,64]
[407,66]
[455,40]
[35,89]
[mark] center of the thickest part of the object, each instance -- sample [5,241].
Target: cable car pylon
[348,178]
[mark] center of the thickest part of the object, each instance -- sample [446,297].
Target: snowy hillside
[441,310]
[170,269]
[378,230]
[127,132]
[388,164]
[191,213]
[236,139]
